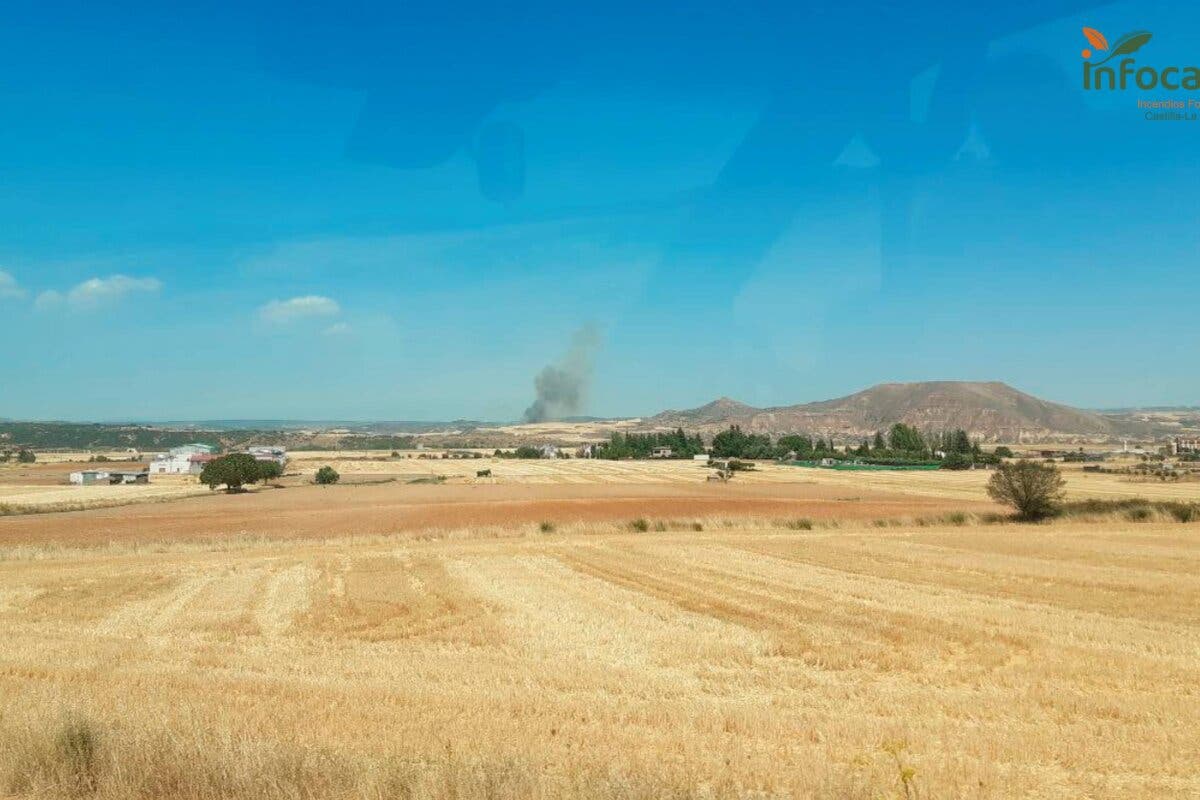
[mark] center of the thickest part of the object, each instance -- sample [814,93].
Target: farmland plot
[990,662]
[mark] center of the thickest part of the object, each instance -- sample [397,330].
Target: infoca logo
[1124,73]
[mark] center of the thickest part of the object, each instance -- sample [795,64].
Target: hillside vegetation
[993,411]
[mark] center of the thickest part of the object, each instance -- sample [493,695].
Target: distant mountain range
[992,410]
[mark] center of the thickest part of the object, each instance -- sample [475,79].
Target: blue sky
[404,211]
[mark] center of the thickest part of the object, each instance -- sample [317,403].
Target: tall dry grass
[73,756]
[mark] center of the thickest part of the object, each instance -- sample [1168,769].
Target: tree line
[643,445]
[902,444]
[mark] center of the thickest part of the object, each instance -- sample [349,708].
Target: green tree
[878,445]
[1003,452]
[730,442]
[1034,490]
[905,439]
[796,443]
[25,456]
[269,470]
[327,475]
[232,471]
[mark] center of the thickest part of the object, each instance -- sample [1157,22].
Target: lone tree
[327,475]
[26,456]
[232,471]
[1033,489]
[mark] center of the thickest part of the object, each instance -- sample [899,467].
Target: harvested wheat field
[970,484]
[534,471]
[590,660]
[307,511]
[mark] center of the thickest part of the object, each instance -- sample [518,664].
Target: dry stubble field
[381,641]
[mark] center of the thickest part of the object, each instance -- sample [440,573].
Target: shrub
[1184,512]
[26,456]
[327,475]
[76,745]
[802,524]
[956,461]
[1034,490]
[546,527]
[1003,452]
[641,525]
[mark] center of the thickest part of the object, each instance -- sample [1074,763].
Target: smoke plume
[562,388]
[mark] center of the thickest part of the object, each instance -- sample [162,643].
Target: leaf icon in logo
[1096,38]
[1131,42]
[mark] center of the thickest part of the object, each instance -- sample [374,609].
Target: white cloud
[96,292]
[100,291]
[281,312]
[47,300]
[9,288]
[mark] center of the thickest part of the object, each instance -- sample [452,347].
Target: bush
[327,476]
[546,527]
[956,461]
[1003,452]
[76,745]
[26,456]
[1139,515]
[1134,509]
[641,525]
[1034,490]
[1184,512]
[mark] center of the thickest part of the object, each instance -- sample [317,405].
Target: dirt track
[315,512]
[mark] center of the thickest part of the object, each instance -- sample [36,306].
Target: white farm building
[268,453]
[91,477]
[188,459]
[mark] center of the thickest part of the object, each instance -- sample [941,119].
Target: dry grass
[598,661]
[970,484]
[535,471]
[45,499]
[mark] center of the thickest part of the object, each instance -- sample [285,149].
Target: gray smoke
[562,388]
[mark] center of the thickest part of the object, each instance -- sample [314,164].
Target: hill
[992,410]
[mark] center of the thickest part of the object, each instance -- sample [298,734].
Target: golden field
[44,486]
[768,638]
